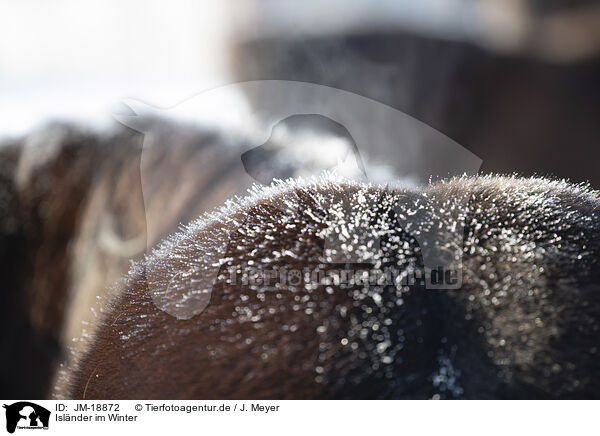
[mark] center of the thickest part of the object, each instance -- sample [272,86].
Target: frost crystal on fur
[276,286]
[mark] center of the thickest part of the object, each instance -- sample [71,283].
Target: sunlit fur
[524,324]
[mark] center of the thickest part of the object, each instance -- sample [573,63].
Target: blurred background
[513,81]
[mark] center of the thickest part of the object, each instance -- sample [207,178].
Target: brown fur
[521,328]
